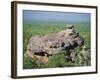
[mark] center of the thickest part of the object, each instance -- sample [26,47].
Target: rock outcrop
[41,47]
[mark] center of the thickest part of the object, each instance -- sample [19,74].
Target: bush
[56,60]
[59,60]
[28,63]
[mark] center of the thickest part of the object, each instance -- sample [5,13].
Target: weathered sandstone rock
[44,46]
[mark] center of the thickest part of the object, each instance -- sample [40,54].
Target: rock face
[43,46]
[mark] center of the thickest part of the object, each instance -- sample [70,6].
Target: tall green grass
[42,28]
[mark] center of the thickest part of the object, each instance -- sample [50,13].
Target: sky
[31,15]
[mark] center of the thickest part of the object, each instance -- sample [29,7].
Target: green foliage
[57,60]
[87,38]
[29,63]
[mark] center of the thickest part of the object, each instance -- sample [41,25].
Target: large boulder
[50,44]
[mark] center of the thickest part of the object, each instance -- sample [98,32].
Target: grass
[42,28]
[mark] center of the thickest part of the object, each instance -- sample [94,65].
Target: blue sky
[31,15]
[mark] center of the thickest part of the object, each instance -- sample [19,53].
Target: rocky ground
[67,43]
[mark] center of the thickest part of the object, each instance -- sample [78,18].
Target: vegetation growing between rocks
[57,60]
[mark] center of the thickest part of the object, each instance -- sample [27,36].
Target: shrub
[28,63]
